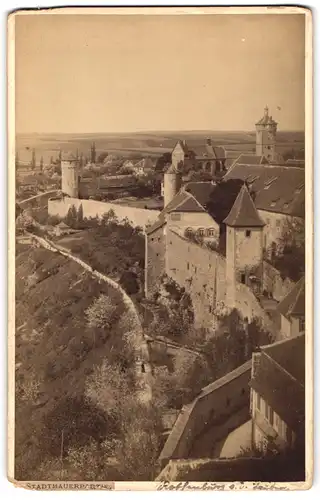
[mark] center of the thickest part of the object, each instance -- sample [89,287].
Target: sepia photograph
[160,248]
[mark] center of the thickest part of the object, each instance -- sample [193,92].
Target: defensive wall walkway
[140,345]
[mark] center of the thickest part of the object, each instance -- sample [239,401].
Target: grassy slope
[52,294]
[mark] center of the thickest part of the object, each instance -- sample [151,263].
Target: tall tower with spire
[266,131]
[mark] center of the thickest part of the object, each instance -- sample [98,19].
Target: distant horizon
[186,131]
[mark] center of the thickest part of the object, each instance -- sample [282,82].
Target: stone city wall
[91,208]
[200,271]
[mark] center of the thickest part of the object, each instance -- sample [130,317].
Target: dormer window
[201,231]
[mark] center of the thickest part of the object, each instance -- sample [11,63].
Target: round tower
[70,176]
[171,185]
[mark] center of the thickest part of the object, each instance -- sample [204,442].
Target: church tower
[244,245]
[266,131]
[172,183]
[70,176]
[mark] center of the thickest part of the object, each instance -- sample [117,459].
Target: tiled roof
[189,205]
[290,354]
[201,191]
[244,213]
[251,159]
[177,200]
[277,386]
[293,303]
[277,188]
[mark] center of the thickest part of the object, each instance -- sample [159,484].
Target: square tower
[244,245]
[266,131]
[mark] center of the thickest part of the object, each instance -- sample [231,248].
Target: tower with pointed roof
[266,131]
[70,176]
[171,184]
[244,246]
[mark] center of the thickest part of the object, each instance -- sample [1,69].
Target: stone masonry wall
[200,271]
[154,260]
[274,284]
[91,208]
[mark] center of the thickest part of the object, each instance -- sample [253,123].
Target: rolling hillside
[55,353]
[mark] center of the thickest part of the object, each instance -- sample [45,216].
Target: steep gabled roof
[177,200]
[189,205]
[293,303]
[244,213]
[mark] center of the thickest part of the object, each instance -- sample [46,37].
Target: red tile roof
[244,213]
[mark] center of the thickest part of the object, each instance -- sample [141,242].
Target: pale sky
[98,73]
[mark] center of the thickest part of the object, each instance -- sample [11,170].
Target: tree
[80,217]
[102,156]
[93,153]
[71,217]
[290,258]
[102,313]
[33,159]
[222,198]
[108,388]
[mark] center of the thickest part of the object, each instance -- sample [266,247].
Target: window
[243,278]
[195,270]
[189,230]
[210,309]
[258,401]
[302,324]
[271,415]
[278,223]
[243,392]
[201,231]
[210,231]
[266,410]
[188,266]
[248,233]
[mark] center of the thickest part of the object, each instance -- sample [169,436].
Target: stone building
[207,158]
[185,241]
[278,394]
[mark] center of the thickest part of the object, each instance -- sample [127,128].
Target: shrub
[101,313]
